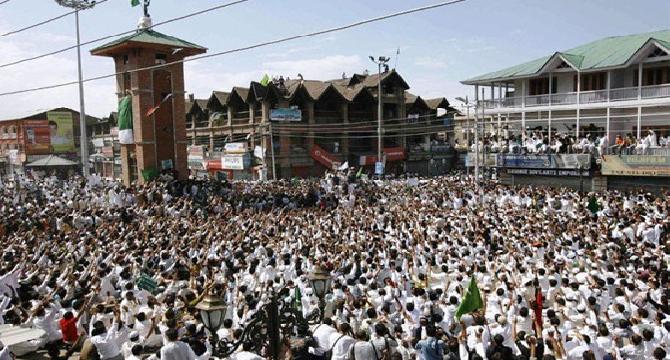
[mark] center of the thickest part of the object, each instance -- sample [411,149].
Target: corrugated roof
[604,53]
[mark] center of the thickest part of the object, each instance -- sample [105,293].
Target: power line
[245,48]
[43,22]
[4,1]
[121,33]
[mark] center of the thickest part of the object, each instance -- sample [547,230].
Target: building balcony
[585,97]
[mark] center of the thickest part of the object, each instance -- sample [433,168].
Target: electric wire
[245,48]
[43,22]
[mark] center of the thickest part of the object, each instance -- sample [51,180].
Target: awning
[390,154]
[52,160]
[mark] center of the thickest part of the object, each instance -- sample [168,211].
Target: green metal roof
[604,53]
[151,37]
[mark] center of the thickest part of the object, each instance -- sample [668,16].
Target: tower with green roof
[149,70]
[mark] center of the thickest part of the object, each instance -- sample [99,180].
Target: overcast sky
[438,48]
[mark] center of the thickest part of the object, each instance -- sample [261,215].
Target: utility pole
[381,61]
[78,5]
[476,140]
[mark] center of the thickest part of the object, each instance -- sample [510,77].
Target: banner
[196,153]
[389,154]
[235,148]
[286,114]
[544,161]
[636,165]
[37,136]
[60,131]
[235,162]
[323,157]
[549,172]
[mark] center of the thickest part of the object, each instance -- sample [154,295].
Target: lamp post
[212,312]
[467,105]
[381,61]
[78,5]
[320,280]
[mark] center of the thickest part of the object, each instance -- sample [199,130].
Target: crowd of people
[595,143]
[562,275]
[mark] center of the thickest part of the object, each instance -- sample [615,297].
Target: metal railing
[595,96]
[620,94]
[656,91]
[585,97]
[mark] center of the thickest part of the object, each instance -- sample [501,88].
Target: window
[590,82]
[658,52]
[161,59]
[563,65]
[541,86]
[653,76]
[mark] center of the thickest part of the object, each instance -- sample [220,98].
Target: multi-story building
[331,122]
[30,138]
[614,87]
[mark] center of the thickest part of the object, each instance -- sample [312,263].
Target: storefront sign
[536,161]
[286,114]
[549,172]
[235,162]
[235,148]
[196,153]
[389,154]
[636,165]
[324,157]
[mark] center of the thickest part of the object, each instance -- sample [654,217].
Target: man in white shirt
[341,342]
[175,349]
[321,335]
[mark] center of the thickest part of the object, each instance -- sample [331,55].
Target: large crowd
[562,275]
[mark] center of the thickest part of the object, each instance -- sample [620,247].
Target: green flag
[126,120]
[265,80]
[134,2]
[360,172]
[472,300]
[298,300]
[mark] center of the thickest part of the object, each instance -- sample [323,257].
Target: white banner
[236,148]
[232,162]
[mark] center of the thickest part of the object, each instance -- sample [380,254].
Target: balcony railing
[656,91]
[620,94]
[585,97]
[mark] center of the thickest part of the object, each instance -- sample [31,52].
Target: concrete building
[332,122]
[30,138]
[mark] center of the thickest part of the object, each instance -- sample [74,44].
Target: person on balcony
[618,145]
[556,146]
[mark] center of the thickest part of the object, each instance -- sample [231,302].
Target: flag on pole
[539,304]
[297,304]
[265,80]
[153,109]
[134,2]
[472,300]
[126,120]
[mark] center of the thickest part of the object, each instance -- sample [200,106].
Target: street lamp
[78,5]
[319,280]
[468,105]
[381,61]
[212,312]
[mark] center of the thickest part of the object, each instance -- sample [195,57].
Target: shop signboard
[235,162]
[544,161]
[286,114]
[636,165]
[37,136]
